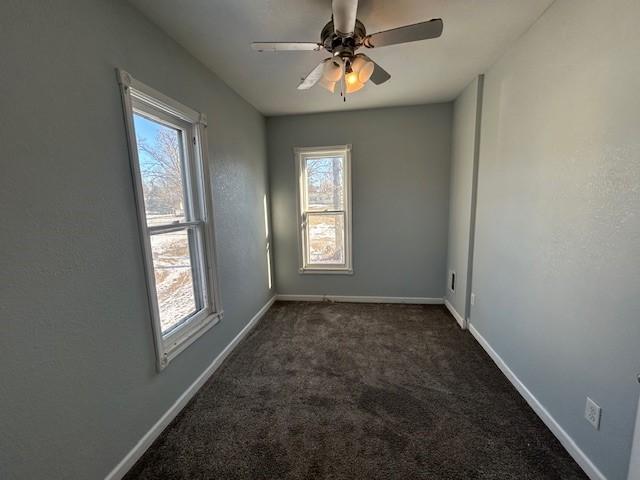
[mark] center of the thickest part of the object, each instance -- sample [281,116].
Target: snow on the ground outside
[174,281]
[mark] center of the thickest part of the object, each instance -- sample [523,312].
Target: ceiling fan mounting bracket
[333,41]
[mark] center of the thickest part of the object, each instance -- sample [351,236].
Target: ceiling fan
[342,37]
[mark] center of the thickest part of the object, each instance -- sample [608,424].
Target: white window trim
[175,341]
[300,154]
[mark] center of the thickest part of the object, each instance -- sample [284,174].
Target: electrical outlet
[592,413]
[473,299]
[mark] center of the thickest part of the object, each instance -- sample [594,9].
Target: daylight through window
[167,151]
[324,208]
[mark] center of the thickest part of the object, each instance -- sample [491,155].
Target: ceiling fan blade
[286,46]
[314,76]
[344,15]
[408,33]
[379,75]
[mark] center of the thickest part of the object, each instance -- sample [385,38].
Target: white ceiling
[219,33]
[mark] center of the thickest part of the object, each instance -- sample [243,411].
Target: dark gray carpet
[346,391]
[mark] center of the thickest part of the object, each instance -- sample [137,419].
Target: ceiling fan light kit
[332,71]
[331,86]
[342,37]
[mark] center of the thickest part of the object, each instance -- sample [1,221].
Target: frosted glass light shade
[354,86]
[324,83]
[351,78]
[332,71]
[364,74]
[358,63]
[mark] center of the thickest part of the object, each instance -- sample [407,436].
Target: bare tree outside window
[162,175]
[325,193]
[324,183]
[160,150]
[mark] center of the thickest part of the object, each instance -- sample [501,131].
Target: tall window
[324,209]
[168,151]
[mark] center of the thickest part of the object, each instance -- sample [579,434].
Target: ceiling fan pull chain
[343,84]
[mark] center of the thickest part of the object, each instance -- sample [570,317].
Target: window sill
[325,271]
[179,340]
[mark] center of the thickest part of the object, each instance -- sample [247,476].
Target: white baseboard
[359,299]
[456,315]
[567,442]
[145,442]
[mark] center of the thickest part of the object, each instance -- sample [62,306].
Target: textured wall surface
[463,153]
[400,187]
[557,255]
[78,386]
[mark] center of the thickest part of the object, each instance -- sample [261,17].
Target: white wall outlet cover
[473,299]
[592,413]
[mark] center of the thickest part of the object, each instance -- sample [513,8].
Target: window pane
[324,183]
[174,277]
[160,154]
[326,239]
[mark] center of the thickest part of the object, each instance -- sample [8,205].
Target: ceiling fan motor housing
[343,45]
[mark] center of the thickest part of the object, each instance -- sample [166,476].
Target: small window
[167,146]
[324,209]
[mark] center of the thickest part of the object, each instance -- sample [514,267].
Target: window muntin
[167,149]
[324,209]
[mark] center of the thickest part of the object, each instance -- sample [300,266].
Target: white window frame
[301,154]
[138,97]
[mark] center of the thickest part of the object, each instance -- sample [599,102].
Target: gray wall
[463,182]
[556,271]
[400,189]
[78,386]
